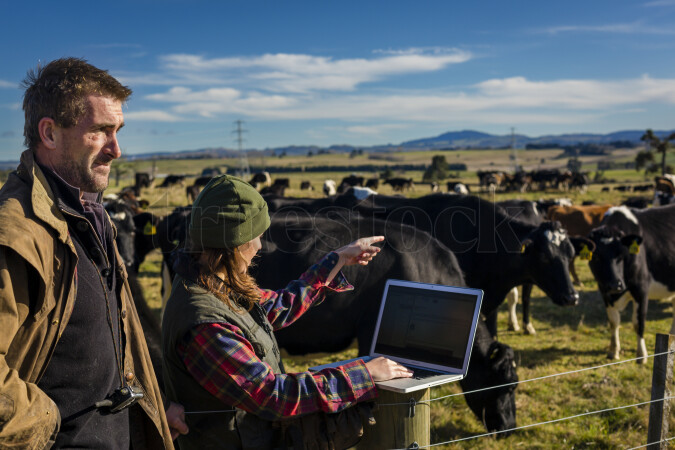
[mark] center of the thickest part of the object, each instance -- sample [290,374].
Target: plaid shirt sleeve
[285,306]
[223,361]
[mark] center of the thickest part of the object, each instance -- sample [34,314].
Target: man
[74,366]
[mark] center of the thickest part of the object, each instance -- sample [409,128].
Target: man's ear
[47,129]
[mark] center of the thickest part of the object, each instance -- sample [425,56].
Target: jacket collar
[43,199]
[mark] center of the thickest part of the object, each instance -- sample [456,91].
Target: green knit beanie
[227,213]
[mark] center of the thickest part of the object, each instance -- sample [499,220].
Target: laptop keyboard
[420,374]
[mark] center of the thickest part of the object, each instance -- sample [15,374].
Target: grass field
[567,339]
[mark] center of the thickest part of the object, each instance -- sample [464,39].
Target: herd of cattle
[438,238]
[534,180]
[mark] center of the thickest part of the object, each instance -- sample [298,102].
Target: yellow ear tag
[634,248]
[522,248]
[149,229]
[585,253]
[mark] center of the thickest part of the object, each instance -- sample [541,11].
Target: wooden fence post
[400,426]
[662,377]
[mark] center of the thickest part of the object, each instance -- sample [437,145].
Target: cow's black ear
[526,245]
[628,240]
[583,247]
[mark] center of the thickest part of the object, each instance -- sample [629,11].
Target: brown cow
[578,221]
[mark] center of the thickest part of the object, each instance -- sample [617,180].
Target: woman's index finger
[372,239]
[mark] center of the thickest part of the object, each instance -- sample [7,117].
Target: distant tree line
[583,148]
[336,168]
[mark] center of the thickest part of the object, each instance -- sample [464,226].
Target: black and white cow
[329,187]
[260,180]
[528,212]
[496,251]
[634,260]
[296,241]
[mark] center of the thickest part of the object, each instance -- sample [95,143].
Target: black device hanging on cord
[121,399]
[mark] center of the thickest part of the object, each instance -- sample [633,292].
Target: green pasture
[567,339]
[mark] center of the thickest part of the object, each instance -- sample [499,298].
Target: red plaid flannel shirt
[223,361]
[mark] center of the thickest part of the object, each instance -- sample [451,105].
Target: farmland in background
[567,338]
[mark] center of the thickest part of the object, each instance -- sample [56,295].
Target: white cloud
[7,84]
[181,94]
[577,94]
[151,116]
[375,130]
[616,28]
[306,73]
[506,100]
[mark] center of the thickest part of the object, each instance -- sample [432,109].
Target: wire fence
[532,425]
[510,430]
[585,369]
[624,361]
[652,443]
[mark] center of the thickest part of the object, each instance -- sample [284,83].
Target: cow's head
[146,238]
[122,217]
[613,250]
[548,251]
[496,408]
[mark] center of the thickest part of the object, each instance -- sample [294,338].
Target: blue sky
[353,72]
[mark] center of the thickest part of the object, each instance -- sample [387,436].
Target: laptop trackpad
[405,385]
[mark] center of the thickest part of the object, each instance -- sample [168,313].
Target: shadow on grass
[531,358]
[590,312]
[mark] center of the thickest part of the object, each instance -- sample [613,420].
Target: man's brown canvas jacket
[37,293]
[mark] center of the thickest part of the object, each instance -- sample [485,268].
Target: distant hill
[476,139]
[465,139]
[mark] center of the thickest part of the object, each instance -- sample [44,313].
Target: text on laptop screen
[429,325]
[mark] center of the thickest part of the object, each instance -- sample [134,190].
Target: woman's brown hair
[236,287]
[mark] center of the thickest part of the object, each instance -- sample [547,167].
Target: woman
[219,349]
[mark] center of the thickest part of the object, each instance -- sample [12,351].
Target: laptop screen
[429,325]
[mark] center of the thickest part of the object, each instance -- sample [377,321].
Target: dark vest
[189,306]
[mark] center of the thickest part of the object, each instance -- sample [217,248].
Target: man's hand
[175,415]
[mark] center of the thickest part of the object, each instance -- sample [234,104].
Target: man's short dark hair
[58,91]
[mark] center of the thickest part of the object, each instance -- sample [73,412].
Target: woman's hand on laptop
[383,369]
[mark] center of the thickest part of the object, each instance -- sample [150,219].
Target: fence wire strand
[535,379]
[652,443]
[494,433]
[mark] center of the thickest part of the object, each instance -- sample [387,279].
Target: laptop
[428,328]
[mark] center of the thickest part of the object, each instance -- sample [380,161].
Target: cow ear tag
[634,248]
[522,248]
[149,229]
[585,253]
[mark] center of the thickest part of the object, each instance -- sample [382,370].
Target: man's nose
[112,148]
